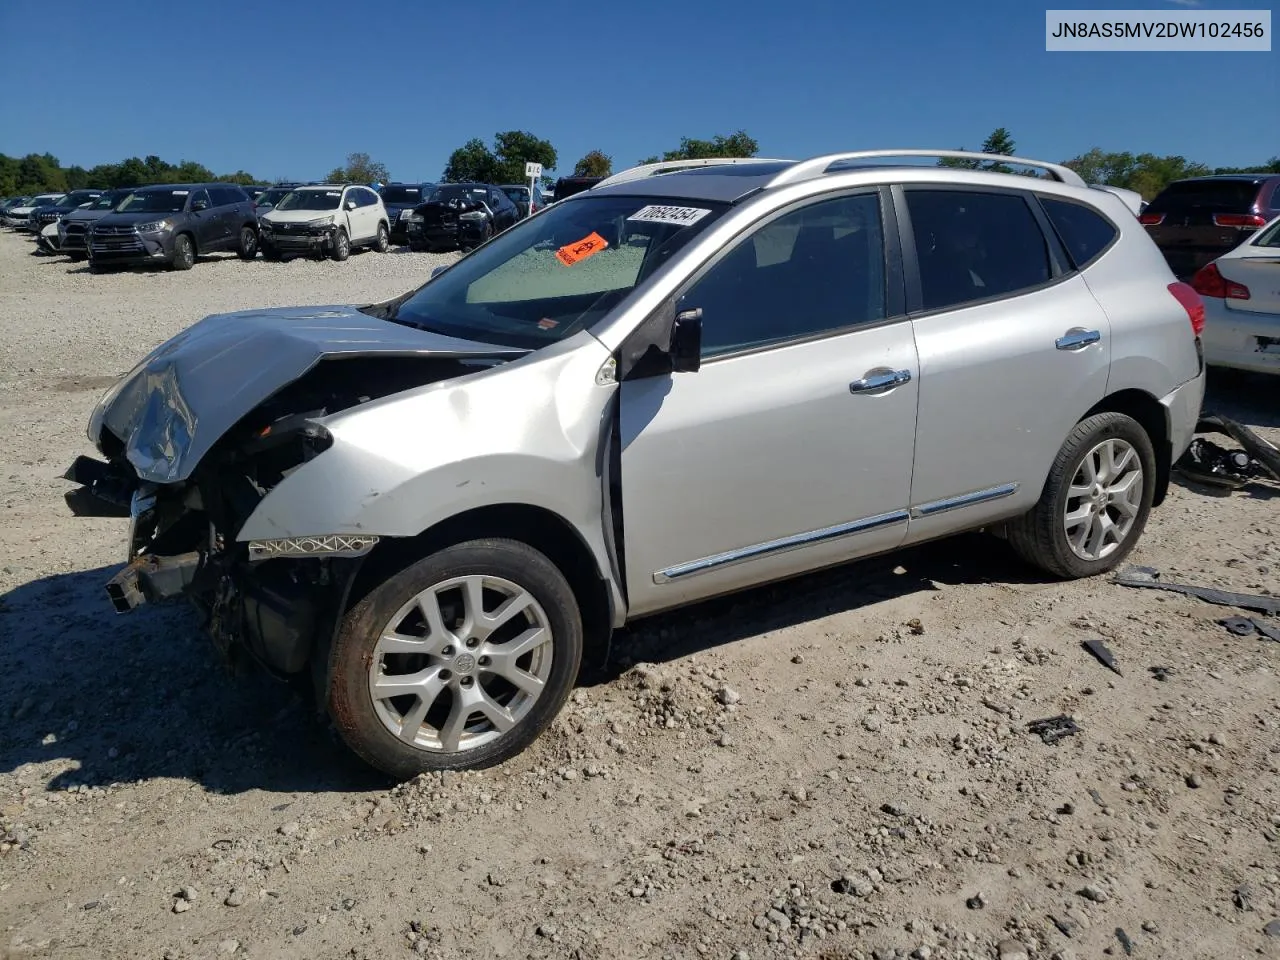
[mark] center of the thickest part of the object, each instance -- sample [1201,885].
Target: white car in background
[1241,293]
[324,220]
[20,217]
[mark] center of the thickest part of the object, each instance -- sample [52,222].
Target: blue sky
[288,88]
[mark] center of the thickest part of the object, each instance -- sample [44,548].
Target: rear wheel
[459,661]
[341,245]
[247,248]
[1095,503]
[184,253]
[383,242]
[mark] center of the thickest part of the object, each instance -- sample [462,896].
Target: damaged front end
[189,490]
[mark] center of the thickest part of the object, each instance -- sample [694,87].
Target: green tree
[999,142]
[471,162]
[240,177]
[360,168]
[737,144]
[594,164]
[514,148]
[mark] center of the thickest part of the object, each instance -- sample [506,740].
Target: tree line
[503,161]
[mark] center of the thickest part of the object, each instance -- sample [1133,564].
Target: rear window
[1225,195]
[402,195]
[1083,232]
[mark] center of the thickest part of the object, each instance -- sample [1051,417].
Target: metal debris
[1161,673]
[1125,942]
[1206,462]
[1148,578]
[1266,456]
[1248,627]
[1103,655]
[1053,729]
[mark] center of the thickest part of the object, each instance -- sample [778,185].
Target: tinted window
[1084,233]
[225,196]
[817,269]
[972,246]
[1226,195]
[399,194]
[370,198]
[155,201]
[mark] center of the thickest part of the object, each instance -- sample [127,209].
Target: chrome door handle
[1076,339]
[880,381]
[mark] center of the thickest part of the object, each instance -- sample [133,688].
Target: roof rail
[654,169]
[817,166]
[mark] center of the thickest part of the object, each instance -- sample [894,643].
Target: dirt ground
[837,767]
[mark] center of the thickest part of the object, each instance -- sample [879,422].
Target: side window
[1083,232]
[223,196]
[367,198]
[198,196]
[974,246]
[816,269]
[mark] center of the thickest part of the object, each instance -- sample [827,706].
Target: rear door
[1014,349]
[1194,221]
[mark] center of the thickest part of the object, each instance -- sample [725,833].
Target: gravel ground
[836,768]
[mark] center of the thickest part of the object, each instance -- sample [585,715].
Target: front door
[1014,350]
[791,448]
[207,222]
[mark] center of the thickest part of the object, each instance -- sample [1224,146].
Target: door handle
[1077,339]
[880,381]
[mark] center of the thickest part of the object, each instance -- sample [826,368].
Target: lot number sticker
[588,246]
[681,216]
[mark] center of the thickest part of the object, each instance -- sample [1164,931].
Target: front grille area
[115,239]
[114,230]
[75,228]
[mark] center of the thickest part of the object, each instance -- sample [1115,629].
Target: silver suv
[691,379]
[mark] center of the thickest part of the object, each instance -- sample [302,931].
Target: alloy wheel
[461,664]
[1104,499]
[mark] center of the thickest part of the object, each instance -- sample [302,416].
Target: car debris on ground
[1053,729]
[1149,578]
[1209,463]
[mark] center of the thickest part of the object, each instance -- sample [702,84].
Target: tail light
[1238,220]
[1209,282]
[1151,219]
[1186,295]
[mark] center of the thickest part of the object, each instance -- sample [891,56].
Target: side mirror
[686,341]
[198,205]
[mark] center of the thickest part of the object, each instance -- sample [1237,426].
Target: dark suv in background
[73,228]
[1195,221]
[400,199]
[175,223]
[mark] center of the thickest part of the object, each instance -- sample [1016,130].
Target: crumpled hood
[173,407]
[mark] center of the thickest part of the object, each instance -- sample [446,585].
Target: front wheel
[341,245]
[1095,502]
[459,661]
[383,243]
[184,253]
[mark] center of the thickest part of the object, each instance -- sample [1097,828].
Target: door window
[1084,233]
[975,245]
[817,269]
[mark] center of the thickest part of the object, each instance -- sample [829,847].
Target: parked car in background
[1241,291]
[10,202]
[1197,220]
[567,186]
[400,199]
[73,228]
[460,216]
[325,220]
[430,507]
[19,217]
[518,193]
[48,216]
[272,195]
[172,224]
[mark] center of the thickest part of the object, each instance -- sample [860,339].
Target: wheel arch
[538,527]
[1154,419]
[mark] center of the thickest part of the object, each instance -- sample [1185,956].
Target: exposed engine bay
[182,539]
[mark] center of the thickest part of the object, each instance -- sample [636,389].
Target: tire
[247,247]
[371,726]
[341,246]
[184,253]
[1041,536]
[383,242]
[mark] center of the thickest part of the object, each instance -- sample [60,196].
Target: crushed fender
[1053,729]
[1103,655]
[1149,579]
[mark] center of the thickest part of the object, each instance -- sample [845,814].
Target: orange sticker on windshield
[588,246]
